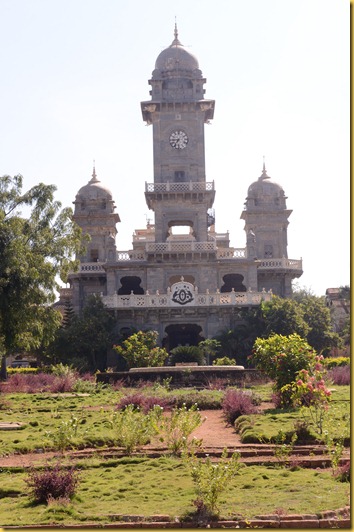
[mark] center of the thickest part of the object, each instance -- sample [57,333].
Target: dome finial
[264,171]
[176,40]
[94,176]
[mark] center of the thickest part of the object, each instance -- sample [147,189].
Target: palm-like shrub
[187,353]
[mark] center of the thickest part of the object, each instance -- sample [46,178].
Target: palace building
[180,276]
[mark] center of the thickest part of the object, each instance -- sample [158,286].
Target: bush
[141,350]
[237,403]
[281,357]
[333,362]
[340,375]
[40,382]
[143,402]
[203,399]
[187,353]
[224,361]
[52,483]
[343,472]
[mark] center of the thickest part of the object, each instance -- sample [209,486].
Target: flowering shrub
[281,357]
[52,483]
[310,392]
[237,403]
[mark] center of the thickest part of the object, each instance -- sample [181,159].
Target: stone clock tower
[181,277]
[178,111]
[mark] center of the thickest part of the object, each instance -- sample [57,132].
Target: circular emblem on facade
[178,140]
[182,294]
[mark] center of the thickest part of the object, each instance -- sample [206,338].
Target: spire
[264,172]
[176,41]
[94,176]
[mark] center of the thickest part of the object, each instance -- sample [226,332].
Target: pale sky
[73,74]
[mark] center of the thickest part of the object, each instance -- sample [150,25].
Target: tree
[317,315]
[284,316]
[34,251]
[209,348]
[85,340]
[141,350]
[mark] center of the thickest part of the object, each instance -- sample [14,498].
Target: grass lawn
[142,486]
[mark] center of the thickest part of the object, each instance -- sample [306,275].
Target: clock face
[178,140]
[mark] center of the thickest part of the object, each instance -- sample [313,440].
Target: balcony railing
[180,247]
[187,186]
[196,299]
[283,263]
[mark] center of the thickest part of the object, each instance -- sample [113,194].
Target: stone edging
[324,520]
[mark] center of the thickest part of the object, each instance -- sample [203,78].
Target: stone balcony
[185,186]
[186,296]
[188,190]
[279,264]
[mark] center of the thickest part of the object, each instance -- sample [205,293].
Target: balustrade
[198,300]
[280,263]
[188,186]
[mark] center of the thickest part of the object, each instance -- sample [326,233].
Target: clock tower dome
[179,195]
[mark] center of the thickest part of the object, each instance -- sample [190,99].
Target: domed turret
[94,213]
[94,190]
[176,59]
[265,194]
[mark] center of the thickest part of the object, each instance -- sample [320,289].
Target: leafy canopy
[141,350]
[35,250]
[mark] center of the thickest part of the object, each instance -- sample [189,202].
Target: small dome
[265,192]
[94,190]
[176,56]
[265,187]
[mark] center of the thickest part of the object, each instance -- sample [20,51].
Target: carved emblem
[182,293]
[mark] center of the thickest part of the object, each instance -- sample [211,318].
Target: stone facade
[181,277]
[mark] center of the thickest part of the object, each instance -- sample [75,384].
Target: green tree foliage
[281,357]
[35,250]
[317,315]
[140,350]
[284,316]
[84,342]
[209,348]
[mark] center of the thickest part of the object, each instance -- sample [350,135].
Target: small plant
[134,428]
[237,403]
[283,449]
[343,472]
[224,361]
[66,432]
[178,426]
[211,480]
[53,482]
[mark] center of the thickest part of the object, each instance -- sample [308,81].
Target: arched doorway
[182,334]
